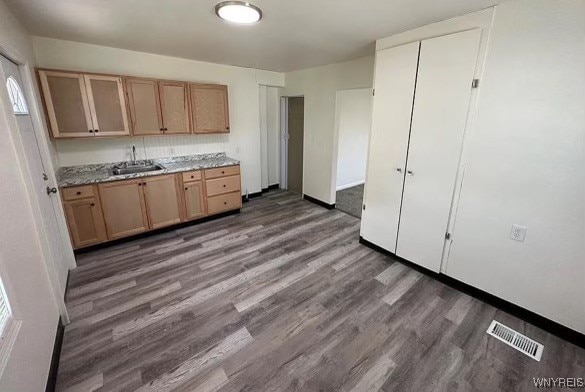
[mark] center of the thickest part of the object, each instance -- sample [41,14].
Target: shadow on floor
[350,200]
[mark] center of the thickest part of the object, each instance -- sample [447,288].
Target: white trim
[350,185]
[7,342]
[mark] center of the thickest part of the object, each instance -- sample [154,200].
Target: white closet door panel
[394,82]
[441,104]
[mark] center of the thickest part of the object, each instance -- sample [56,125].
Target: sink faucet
[133,155]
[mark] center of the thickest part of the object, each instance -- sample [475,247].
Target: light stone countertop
[96,173]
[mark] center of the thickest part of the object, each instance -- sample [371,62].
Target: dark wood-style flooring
[282,297]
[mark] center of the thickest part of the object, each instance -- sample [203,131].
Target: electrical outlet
[518,233]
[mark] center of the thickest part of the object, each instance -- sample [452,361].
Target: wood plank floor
[282,297]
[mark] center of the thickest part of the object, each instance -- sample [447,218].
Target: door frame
[26,74]
[284,142]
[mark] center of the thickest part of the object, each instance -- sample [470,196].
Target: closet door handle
[410,173]
[399,169]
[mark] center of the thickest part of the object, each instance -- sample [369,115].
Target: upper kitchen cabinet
[107,105]
[158,107]
[174,107]
[66,104]
[144,103]
[83,105]
[209,108]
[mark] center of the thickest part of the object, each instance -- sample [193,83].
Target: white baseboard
[342,187]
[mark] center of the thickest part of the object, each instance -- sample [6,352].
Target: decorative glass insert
[16,96]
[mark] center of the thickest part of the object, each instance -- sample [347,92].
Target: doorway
[44,190]
[293,124]
[353,118]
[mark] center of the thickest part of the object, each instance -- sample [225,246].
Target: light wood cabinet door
[85,221]
[162,201]
[107,105]
[174,107]
[226,202]
[209,108]
[194,200]
[144,103]
[124,208]
[66,104]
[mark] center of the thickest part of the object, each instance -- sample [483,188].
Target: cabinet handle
[225,202]
[91,131]
[97,130]
[78,193]
[192,176]
[224,185]
[92,204]
[222,172]
[186,188]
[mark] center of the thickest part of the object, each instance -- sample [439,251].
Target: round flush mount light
[238,12]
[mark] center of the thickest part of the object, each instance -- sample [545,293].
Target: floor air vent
[517,340]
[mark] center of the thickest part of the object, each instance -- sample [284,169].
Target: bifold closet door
[394,82]
[443,91]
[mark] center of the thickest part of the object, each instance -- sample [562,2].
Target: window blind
[5,313]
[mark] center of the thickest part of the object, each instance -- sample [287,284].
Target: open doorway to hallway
[352,128]
[293,119]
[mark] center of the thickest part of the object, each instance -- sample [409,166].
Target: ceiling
[293,34]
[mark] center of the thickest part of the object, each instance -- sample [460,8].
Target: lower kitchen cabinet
[85,221]
[162,201]
[124,208]
[194,200]
[118,209]
[226,202]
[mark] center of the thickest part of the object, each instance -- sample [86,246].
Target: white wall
[526,163]
[273,134]
[353,120]
[243,142]
[319,86]
[22,265]
[269,135]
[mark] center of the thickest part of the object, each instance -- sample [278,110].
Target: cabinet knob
[222,172]
[224,185]
[186,188]
[92,204]
[399,169]
[78,193]
[410,173]
[225,202]
[97,130]
[91,131]
[192,176]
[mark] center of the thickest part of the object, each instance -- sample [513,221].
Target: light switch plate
[518,233]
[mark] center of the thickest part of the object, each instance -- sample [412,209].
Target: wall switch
[518,233]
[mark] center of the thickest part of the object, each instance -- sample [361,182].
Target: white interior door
[40,182]
[441,104]
[394,82]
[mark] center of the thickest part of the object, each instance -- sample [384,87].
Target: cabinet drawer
[229,201]
[222,185]
[222,172]
[192,176]
[77,192]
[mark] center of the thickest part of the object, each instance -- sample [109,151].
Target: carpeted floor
[350,200]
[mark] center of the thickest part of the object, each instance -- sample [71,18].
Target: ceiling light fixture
[238,12]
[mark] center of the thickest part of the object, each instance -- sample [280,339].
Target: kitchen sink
[136,168]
